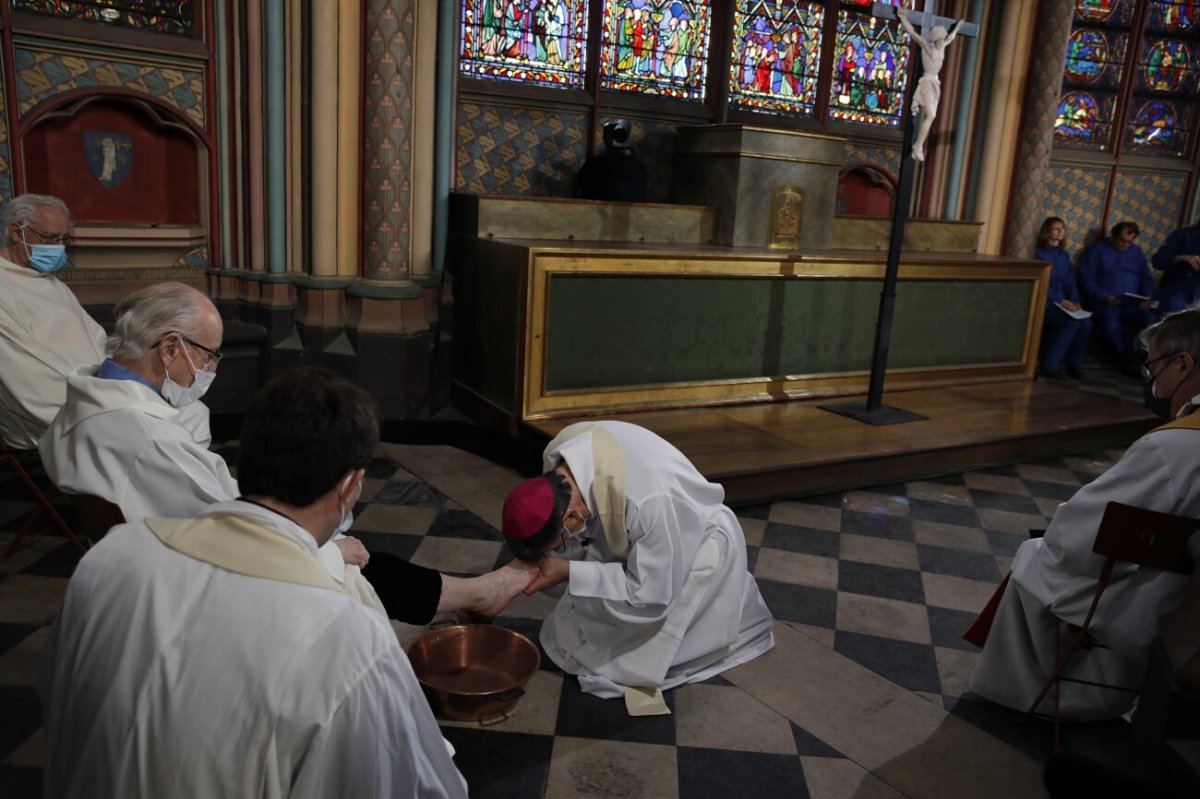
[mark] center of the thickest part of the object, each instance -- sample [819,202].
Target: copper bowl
[474,672]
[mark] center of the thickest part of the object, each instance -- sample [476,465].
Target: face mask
[179,396]
[348,514]
[47,257]
[1158,406]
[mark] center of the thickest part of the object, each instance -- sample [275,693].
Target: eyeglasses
[65,239]
[212,357]
[1149,376]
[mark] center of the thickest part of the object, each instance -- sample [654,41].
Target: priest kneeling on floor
[657,589]
[1054,578]
[215,656]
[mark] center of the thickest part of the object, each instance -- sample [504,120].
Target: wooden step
[770,451]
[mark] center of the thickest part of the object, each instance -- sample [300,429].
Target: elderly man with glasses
[44,331]
[1054,578]
[119,434]
[119,437]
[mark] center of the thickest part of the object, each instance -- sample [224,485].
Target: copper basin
[474,672]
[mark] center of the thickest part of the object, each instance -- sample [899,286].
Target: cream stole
[608,484]
[243,545]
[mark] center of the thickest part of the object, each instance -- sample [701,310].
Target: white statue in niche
[109,168]
[929,88]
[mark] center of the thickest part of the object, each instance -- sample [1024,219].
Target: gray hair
[1177,332]
[146,315]
[21,209]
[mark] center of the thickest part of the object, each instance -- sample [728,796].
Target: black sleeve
[410,593]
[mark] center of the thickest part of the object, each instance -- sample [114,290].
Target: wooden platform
[772,451]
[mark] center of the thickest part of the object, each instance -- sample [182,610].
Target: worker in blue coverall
[1064,338]
[1179,261]
[1109,273]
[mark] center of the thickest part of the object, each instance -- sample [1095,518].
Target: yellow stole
[1189,422]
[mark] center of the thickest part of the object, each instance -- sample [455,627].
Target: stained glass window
[1093,73]
[1094,57]
[1084,119]
[776,56]
[655,47]
[870,68]
[543,42]
[163,16]
[1159,127]
[1168,66]
[1175,16]
[1104,12]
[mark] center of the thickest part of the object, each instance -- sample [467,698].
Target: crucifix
[936,33]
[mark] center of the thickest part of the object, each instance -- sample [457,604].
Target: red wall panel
[161,187]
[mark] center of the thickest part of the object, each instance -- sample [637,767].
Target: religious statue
[929,88]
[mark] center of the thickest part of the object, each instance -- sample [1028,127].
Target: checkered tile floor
[863,695]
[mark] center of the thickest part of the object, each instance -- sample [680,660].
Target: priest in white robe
[44,332]
[1054,578]
[215,656]
[119,437]
[661,596]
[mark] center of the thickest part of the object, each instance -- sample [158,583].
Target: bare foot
[502,586]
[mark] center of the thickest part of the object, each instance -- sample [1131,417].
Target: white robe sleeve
[656,567]
[44,334]
[1159,472]
[1141,478]
[195,419]
[381,741]
[175,473]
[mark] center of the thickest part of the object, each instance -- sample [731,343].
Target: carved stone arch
[865,190]
[135,174]
[162,175]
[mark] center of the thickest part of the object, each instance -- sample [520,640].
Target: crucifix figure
[925,100]
[929,88]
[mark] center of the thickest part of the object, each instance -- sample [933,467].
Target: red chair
[1127,534]
[27,534]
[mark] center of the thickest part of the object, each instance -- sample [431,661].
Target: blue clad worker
[1064,337]
[1179,261]
[1117,284]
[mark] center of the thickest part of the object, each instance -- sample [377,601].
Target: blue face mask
[47,257]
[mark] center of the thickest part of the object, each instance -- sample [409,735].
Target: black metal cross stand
[873,411]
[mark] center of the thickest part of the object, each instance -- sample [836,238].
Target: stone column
[1026,198]
[336,141]
[324,112]
[389,311]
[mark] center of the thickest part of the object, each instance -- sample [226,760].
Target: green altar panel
[617,331]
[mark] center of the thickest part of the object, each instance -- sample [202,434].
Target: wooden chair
[1128,534]
[95,516]
[26,534]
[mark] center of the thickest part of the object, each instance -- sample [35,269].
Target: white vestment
[121,441]
[1054,578]
[682,606]
[44,334]
[168,676]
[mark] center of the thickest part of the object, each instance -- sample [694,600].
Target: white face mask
[179,396]
[348,513]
